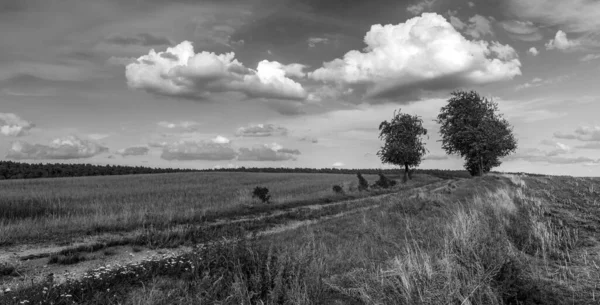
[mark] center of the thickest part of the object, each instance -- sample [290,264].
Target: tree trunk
[480,166]
[405,173]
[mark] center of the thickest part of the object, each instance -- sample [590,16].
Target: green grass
[47,209]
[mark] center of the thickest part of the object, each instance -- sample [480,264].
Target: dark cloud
[309,139]
[141,39]
[13,125]
[70,147]
[204,150]
[261,130]
[522,30]
[267,153]
[590,145]
[133,151]
[562,135]
[582,133]
[169,56]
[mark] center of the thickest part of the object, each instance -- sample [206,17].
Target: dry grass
[43,209]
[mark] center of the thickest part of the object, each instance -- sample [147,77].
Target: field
[201,239]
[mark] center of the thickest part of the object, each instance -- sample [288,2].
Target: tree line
[18,170]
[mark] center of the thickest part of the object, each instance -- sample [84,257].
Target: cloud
[589,57]
[471,4]
[198,76]
[98,136]
[536,82]
[533,155]
[533,51]
[141,39]
[314,41]
[198,150]
[559,148]
[589,145]
[338,164]
[309,139]
[261,130]
[435,157]
[579,16]
[220,140]
[477,27]
[424,53]
[421,6]
[133,151]
[267,152]
[521,30]
[120,61]
[561,42]
[582,133]
[14,126]
[69,147]
[180,126]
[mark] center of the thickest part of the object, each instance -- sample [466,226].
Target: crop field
[500,239]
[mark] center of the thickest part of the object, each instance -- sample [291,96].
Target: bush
[363,185]
[261,193]
[384,182]
[338,189]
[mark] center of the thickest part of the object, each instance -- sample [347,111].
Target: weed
[338,189]
[261,193]
[363,184]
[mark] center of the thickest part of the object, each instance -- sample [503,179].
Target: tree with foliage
[472,128]
[403,144]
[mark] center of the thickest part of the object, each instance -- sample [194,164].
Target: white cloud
[471,4]
[533,51]
[133,151]
[198,150]
[220,140]
[561,42]
[479,27]
[536,82]
[261,130]
[267,152]
[522,30]
[589,57]
[421,6]
[338,164]
[425,52]
[559,148]
[200,75]
[186,126]
[314,41]
[98,136]
[13,125]
[69,147]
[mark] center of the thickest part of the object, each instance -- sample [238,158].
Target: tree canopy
[403,143]
[472,128]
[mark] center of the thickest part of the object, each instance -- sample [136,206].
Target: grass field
[493,240]
[45,209]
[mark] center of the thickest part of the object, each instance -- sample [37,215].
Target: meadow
[47,209]
[500,239]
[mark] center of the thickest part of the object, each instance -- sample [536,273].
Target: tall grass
[44,209]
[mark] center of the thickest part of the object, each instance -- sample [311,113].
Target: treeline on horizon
[20,170]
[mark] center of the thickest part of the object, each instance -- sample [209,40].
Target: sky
[292,83]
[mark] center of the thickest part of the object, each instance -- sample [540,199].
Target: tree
[472,128]
[403,143]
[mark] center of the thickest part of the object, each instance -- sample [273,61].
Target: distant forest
[18,170]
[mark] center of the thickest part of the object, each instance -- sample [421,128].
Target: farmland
[500,239]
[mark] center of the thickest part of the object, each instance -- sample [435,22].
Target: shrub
[363,185]
[261,193]
[338,189]
[384,182]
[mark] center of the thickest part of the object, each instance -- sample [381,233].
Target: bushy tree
[472,128]
[403,144]
[384,182]
[262,193]
[363,184]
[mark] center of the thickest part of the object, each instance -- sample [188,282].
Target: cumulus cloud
[198,150]
[559,148]
[533,51]
[133,151]
[13,125]
[425,52]
[521,30]
[338,164]
[561,42]
[69,147]
[261,130]
[267,152]
[198,75]
[141,39]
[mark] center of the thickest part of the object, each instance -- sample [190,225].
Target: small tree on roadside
[472,128]
[261,193]
[403,144]
[363,184]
